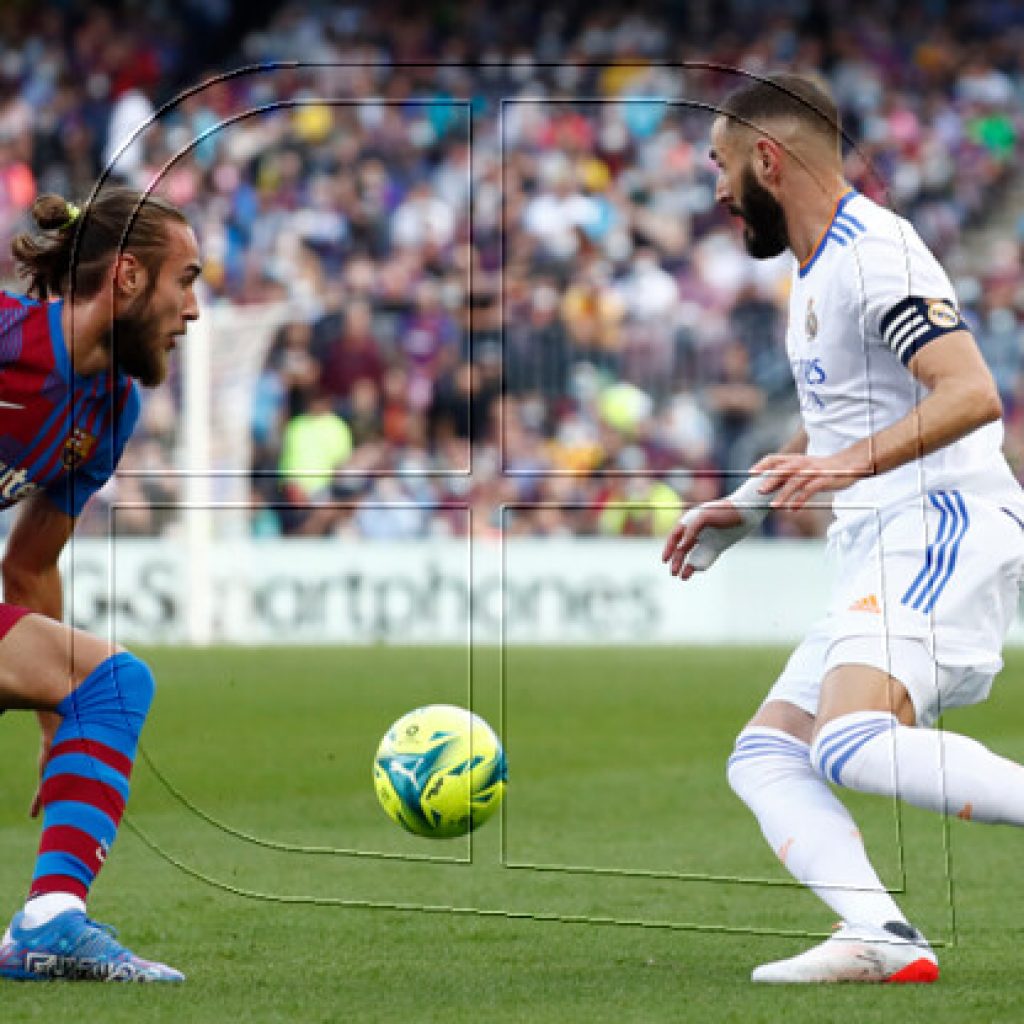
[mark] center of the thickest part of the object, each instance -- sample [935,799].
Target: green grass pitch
[623,881]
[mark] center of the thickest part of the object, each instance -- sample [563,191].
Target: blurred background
[467,255]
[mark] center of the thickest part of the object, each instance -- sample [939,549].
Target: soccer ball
[440,771]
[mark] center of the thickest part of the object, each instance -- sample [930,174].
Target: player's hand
[720,515]
[794,479]
[49,722]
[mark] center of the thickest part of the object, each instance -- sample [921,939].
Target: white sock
[41,909]
[940,771]
[805,824]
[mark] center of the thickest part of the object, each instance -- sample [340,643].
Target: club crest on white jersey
[867,301]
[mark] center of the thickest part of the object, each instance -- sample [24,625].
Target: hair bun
[52,212]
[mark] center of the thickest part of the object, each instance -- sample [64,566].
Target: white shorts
[925,592]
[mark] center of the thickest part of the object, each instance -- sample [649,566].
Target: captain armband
[913,322]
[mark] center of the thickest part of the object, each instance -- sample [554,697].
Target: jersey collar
[57,340]
[823,240]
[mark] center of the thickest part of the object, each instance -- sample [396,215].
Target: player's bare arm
[962,397]
[30,574]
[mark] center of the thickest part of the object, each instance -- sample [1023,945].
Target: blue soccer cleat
[71,947]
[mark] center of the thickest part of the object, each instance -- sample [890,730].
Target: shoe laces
[108,928]
[99,940]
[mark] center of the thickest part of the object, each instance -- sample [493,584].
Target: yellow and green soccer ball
[440,771]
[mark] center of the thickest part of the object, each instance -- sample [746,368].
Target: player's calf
[85,786]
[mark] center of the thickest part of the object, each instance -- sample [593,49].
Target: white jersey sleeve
[907,297]
[870,297]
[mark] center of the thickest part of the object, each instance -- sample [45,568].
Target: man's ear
[767,157]
[130,276]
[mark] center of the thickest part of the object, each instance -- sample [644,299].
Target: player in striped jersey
[110,292]
[902,425]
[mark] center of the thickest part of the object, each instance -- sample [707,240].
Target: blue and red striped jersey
[60,433]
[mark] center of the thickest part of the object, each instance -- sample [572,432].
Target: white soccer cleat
[865,953]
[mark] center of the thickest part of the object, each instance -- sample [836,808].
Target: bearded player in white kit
[902,423]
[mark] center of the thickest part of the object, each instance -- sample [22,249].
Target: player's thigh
[792,702]
[851,687]
[900,675]
[42,661]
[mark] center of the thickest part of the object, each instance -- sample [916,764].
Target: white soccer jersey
[870,296]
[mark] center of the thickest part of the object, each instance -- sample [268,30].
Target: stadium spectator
[734,401]
[352,359]
[593,212]
[316,443]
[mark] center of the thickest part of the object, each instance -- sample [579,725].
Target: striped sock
[85,783]
[940,771]
[811,832]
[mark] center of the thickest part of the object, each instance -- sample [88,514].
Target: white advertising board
[526,591]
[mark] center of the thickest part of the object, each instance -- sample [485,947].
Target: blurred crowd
[494,229]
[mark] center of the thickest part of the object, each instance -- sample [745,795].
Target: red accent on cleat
[920,971]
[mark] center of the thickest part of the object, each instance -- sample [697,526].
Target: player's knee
[763,758]
[824,747]
[743,767]
[819,762]
[119,688]
[739,778]
[135,682]
[840,740]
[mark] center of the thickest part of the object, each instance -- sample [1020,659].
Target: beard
[764,229]
[134,342]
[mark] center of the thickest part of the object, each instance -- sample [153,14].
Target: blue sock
[85,783]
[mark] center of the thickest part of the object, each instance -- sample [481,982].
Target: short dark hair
[795,96]
[115,220]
